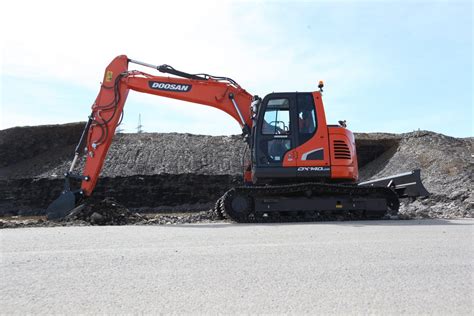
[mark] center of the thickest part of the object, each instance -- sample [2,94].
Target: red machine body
[338,161]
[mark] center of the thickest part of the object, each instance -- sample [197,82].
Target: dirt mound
[103,212]
[143,194]
[157,153]
[446,162]
[154,172]
[142,154]
[20,143]
[109,212]
[370,146]
[438,206]
[446,165]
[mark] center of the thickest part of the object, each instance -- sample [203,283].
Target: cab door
[276,136]
[312,144]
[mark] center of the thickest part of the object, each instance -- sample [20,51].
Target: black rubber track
[225,209]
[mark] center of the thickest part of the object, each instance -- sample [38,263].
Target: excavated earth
[176,178]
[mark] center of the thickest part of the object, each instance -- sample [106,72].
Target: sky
[388,66]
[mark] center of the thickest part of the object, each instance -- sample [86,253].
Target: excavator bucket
[61,207]
[406,184]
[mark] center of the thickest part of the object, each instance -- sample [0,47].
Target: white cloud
[74,41]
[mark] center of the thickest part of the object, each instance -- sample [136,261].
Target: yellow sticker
[108,76]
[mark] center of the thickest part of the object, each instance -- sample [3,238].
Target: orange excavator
[299,166]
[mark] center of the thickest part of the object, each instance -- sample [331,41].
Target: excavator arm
[107,111]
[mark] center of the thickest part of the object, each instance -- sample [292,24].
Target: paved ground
[350,267]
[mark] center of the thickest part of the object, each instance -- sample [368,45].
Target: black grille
[341,150]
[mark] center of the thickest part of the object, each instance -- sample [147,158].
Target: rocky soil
[447,172]
[156,173]
[129,154]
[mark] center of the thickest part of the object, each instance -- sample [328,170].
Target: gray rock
[96,218]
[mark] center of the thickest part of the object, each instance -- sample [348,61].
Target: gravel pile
[439,206]
[110,212]
[446,165]
[103,212]
[154,171]
[142,154]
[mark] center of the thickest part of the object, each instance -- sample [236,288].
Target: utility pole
[140,126]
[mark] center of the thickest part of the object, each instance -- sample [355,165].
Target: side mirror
[254,106]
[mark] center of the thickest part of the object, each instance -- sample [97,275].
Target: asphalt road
[379,267]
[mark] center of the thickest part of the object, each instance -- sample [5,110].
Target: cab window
[277,117]
[307,123]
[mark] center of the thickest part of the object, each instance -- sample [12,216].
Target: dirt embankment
[447,172]
[24,144]
[172,171]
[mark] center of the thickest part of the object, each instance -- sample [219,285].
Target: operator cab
[283,122]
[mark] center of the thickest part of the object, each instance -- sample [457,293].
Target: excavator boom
[107,110]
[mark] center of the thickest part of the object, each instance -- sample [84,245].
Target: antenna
[139,126]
